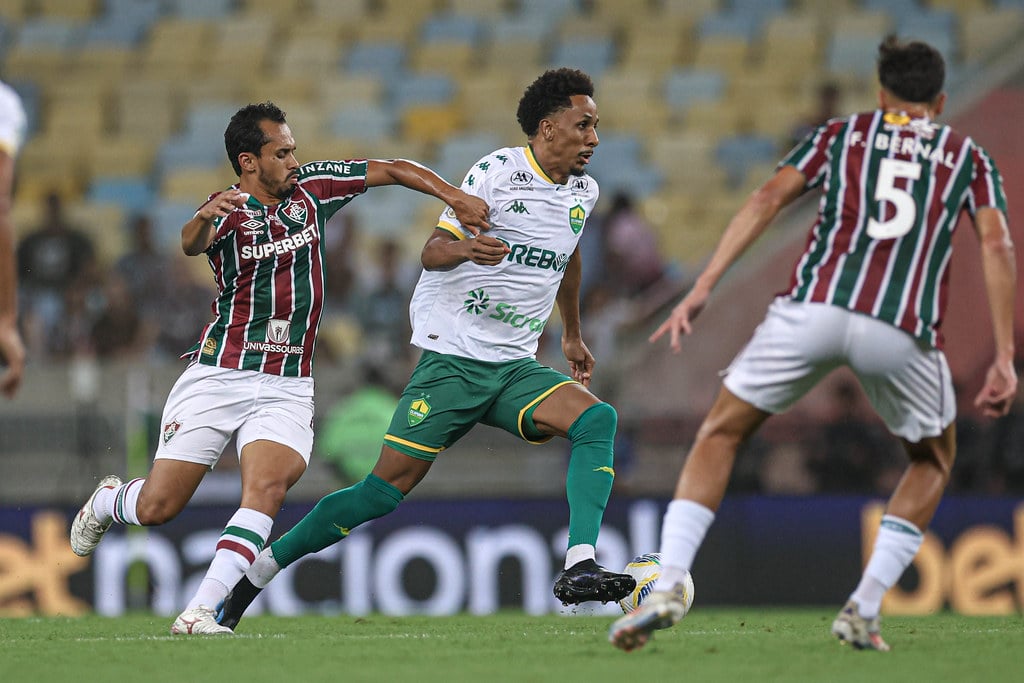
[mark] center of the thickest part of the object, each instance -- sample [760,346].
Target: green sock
[334,516]
[589,480]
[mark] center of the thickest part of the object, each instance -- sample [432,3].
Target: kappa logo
[278,331]
[521,177]
[170,429]
[579,184]
[517,207]
[295,211]
[418,411]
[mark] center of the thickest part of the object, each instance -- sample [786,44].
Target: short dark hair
[551,92]
[912,71]
[244,134]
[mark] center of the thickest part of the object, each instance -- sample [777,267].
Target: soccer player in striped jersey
[250,376]
[478,311]
[12,133]
[869,293]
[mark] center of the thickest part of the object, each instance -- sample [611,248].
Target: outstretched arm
[746,226]
[471,211]
[1000,271]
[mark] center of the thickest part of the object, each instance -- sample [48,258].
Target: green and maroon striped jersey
[268,265]
[893,190]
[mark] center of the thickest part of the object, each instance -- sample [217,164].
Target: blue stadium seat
[49,34]
[168,217]
[187,149]
[416,89]
[593,56]
[451,28]
[363,122]
[208,120]
[737,24]
[618,164]
[524,26]
[456,154]
[134,194]
[897,9]
[200,9]
[852,54]
[737,154]
[685,86]
[386,60]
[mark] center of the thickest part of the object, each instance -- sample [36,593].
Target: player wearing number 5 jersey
[868,293]
[251,375]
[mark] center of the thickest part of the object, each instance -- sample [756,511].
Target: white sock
[895,547]
[119,503]
[239,544]
[682,532]
[578,553]
[264,569]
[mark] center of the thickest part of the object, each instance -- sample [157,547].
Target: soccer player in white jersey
[868,293]
[251,372]
[477,314]
[12,133]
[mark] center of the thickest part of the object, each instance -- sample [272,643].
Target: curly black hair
[244,134]
[913,71]
[550,93]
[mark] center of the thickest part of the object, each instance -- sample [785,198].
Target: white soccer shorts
[208,405]
[908,383]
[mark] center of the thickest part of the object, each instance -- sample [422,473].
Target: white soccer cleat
[198,621]
[86,528]
[864,634]
[661,609]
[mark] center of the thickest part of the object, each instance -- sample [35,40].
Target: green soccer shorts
[447,395]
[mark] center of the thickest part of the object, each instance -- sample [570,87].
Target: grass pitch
[748,644]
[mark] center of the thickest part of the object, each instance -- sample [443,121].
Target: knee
[598,422]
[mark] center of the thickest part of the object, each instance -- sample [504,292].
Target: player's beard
[282,190]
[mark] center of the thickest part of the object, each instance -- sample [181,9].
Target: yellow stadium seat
[78,10]
[456,59]
[194,185]
[122,156]
[342,88]
[983,31]
[104,223]
[100,64]
[430,123]
[725,53]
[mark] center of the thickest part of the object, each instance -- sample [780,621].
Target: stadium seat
[385,60]
[448,27]
[200,9]
[737,154]
[593,56]
[984,31]
[456,154]
[454,59]
[133,193]
[684,87]
[430,123]
[735,24]
[371,123]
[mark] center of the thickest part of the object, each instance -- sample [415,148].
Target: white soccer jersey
[497,313]
[12,121]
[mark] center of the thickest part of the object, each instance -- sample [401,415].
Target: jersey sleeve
[334,183]
[810,156]
[986,188]
[478,182]
[13,122]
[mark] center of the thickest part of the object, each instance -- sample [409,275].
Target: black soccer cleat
[587,580]
[229,612]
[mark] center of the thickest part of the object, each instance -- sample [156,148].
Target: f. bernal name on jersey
[259,252]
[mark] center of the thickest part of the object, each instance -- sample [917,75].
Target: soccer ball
[646,569]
